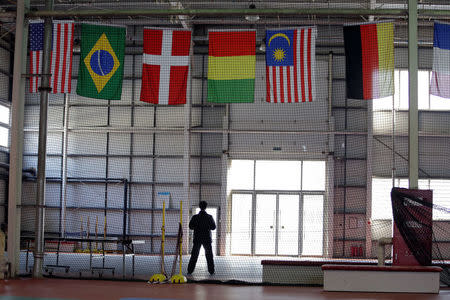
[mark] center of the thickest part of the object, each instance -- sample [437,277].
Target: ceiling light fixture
[252,18]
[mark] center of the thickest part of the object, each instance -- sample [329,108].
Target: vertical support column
[64,165]
[187,154]
[369,166]
[413,114]
[369,172]
[42,147]
[16,147]
[224,200]
[329,196]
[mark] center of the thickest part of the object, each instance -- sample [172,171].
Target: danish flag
[165,66]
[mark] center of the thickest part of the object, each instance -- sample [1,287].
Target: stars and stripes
[61,55]
[61,59]
[36,48]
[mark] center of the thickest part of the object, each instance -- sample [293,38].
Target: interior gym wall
[118,139]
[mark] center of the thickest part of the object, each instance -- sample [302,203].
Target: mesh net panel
[306,183]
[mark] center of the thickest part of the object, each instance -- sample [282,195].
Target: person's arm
[193,223]
[212,224]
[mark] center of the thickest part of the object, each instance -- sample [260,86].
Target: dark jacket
[202,224]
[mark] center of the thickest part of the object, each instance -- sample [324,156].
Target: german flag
[369,57]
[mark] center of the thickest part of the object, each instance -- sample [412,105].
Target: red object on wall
[402,255]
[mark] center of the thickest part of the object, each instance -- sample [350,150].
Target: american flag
[36,49]
[61,55]
[61,60]
[290,65]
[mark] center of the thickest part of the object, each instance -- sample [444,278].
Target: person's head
[202,205]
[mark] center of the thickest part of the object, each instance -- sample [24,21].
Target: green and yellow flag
[101,63]
[231,66]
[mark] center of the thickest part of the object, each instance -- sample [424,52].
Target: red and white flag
[61,60]
[165,65]
[290,65]
[36,37]
[61,55]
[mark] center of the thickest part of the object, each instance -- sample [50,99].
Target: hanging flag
[290,65]
[165,66]
[36,36]
[369,57]
[231,66]
[61,59]
[101,63]
[440,77]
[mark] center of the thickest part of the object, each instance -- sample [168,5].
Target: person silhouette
[202,224]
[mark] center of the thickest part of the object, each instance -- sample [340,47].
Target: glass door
[312,225]
[265,225]
[241,225]
[288,214]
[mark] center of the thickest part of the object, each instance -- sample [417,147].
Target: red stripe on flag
[71,56]
[281,87]
[150,83]
[309,64]
[38,61]
[268,84]
[274,82]
[288,70]
[58,49]
[153,41]
[232,43]
[31,80]
[181,41]
[302,63]
[63,79]
[369,45]
[295,68]
[178,84]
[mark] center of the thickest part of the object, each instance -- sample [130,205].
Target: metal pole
[223,12]
[413,115]
[187,151]
[16,147]
[124,229]
[42,147]
[64,163]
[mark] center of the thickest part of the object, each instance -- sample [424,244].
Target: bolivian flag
[231,66]
[369,56]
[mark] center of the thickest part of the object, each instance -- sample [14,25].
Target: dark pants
[194,256]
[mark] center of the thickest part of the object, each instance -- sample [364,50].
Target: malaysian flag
[165,66]
[61,55]
[36,49]
[61,60]
[290,65]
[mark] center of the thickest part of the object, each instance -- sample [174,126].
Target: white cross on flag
[165,66]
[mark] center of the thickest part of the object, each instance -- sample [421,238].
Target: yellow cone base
[179,278]
[157,278]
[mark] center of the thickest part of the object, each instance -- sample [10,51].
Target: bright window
[381,196]
[401,94]
[4,125]
[313,175]
[240,175]
[278,175]
[269,201]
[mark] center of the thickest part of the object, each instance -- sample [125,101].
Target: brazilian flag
[101,63]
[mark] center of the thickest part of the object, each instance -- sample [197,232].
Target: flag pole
[42,147]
